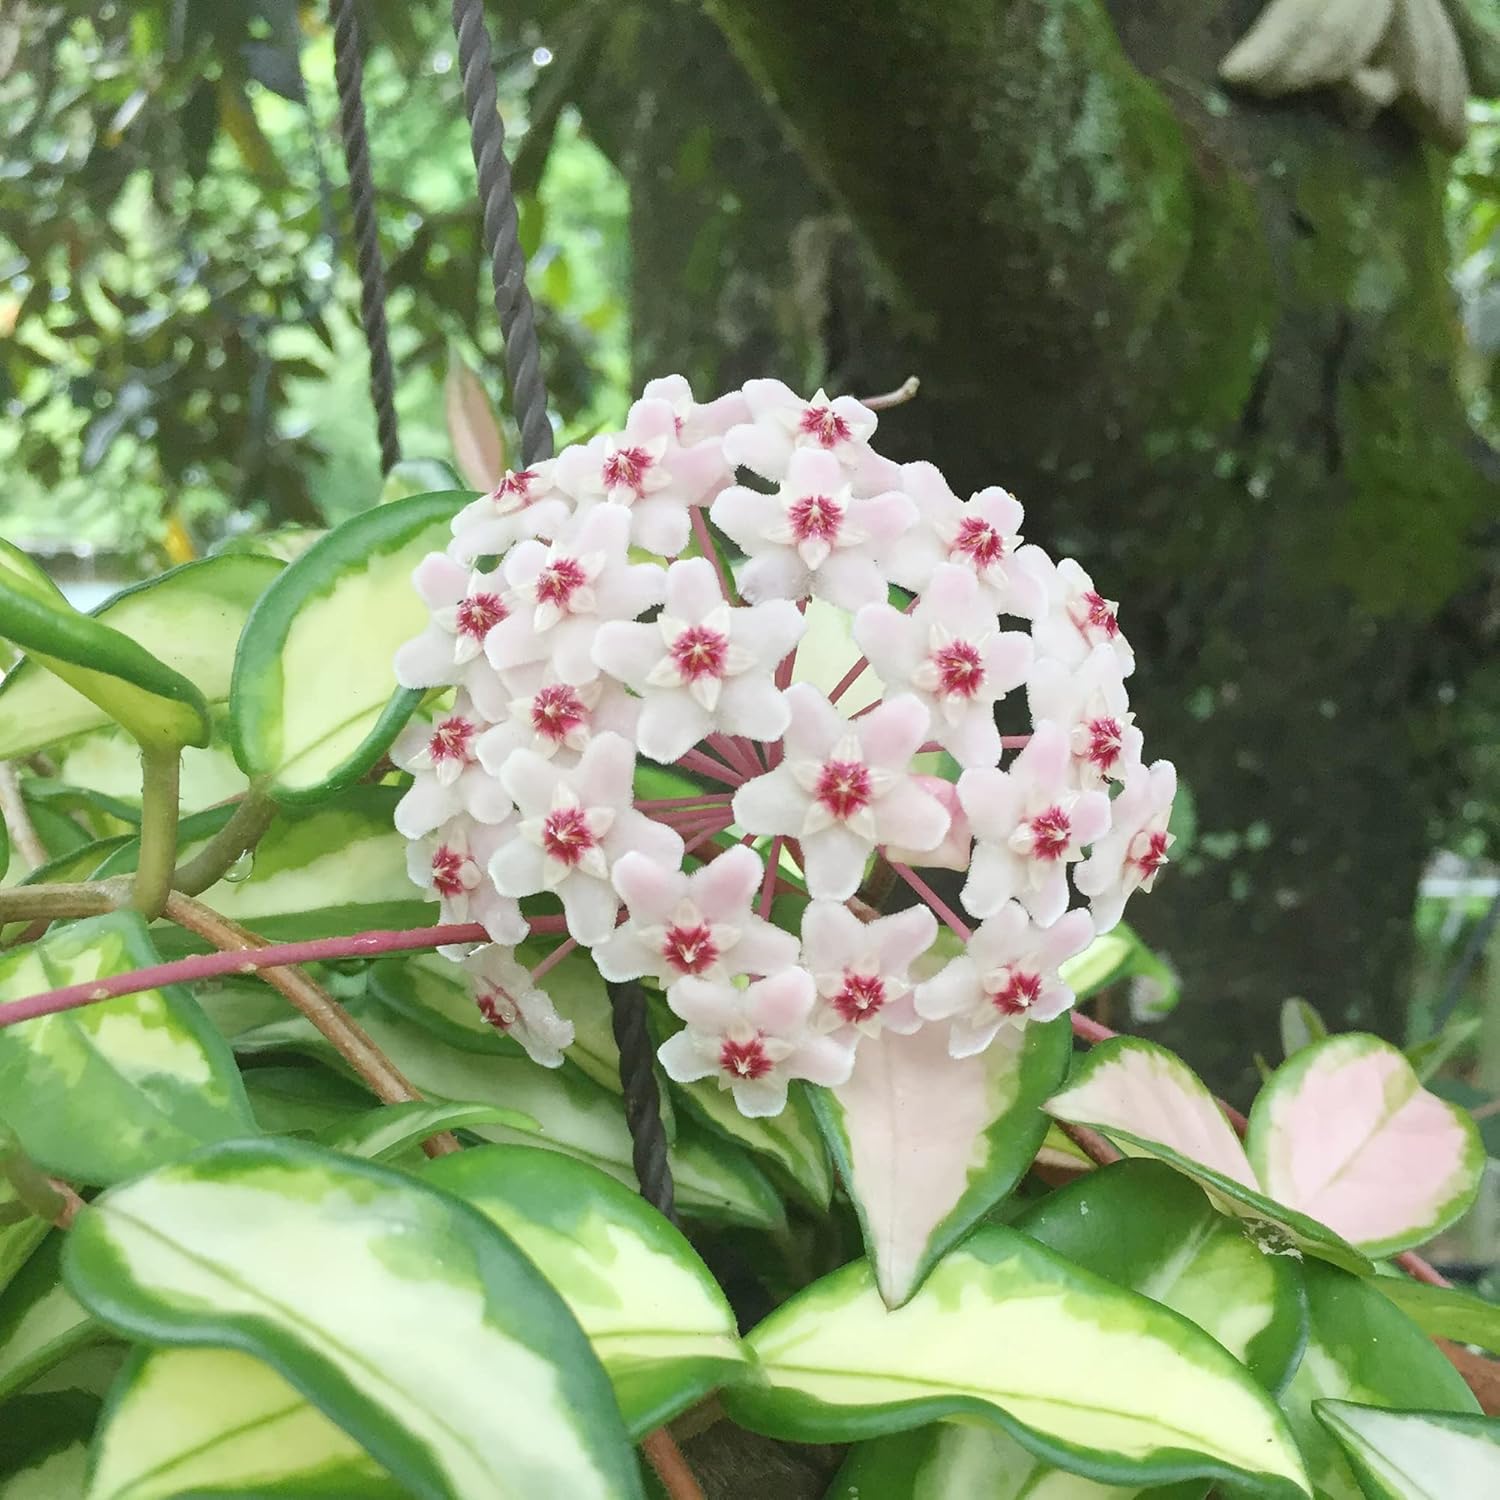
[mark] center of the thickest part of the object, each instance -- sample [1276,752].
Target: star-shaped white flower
[560,595]
[783,424]
[1091,704]
[843,788]
[556,719]
[702,665]
[447,778]
[862,969]
[697,925]
[957,844]
[982,534]
[813,536]
[1077,619]
[1006,976]
[466,606]
[527,502]
[1130,856]
[509,1000]
[450,864]
[753,1040]
[1029,823]
[696,421]
[573,826]
[950,653]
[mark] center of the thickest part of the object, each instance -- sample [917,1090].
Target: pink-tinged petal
[849,580]
[513,643]
[1048,899]
[529,780]
[633,590]
[692,589]
[1027,579]
[589,906]
[885,635]
[883,517]
[1345,1133]
[973,741]
[1044,758]
[762,948]
[815,725]
[760,1098]
[1009,659]
[440,580]
[811,471]
[1150,1094]
[775,575]
[754,707]
[772,803]
[682,1060]
[426,660]
[670,724]
[955,988]
[1090,817]
[570,651]
[635,831]
[523,562]
[967,1039]
[484,799]
[759,449]
[904,936]
[782,1003]
[426,806]
[623,955]
[823,1060]
[830,931]
[650,889]
[501,917]
[516,869]
[991,801]
[707,1005]
[744,515]
[660,524]
[992,881]
[725,884]
[957,844]
[605,771]
[1066,937]
[770,630]
[699,471]
[910,818]
[891,734]
[628,651]
[834,863]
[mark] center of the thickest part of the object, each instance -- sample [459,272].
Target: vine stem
[940,908]
[898,397]
[18,822]
[333,1022]
[249,820]
[663,1454]
[157,861]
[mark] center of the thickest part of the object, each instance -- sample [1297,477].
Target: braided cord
[523,357]
[348,72]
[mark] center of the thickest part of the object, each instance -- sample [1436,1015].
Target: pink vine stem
[702,800]
[773,866]
[940,908]
[711,552]
[734,753]
[848,680]
[715,770]
[554,958]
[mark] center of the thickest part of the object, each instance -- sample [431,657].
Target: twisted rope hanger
[348,72]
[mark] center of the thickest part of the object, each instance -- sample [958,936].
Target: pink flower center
[860,997]
[744,1059]
[1103,749]
[625,469]
[451,740]
[1019,992]
[843,787]
[960,669]
[1093,613]
[824,426]
[566,836]
[449,865]
[700,652]
[979,542]
[559,581]
[1051,832]
[515,487]
[497,1008]
[1153,856]
[689,949]
[479,614]
[556,711]
[815,518]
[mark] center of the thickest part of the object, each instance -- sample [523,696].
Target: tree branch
[18,824]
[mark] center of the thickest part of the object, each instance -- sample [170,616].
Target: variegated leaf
[40,1320]
[1415,1455]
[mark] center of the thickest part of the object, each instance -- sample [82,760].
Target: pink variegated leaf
[1345,1133]
[927,1143]
[478,446]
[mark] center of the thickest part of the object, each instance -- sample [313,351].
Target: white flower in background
[560,595]
[982,534]
[1006,976]
[556,719]
[466,606]
[509,1000]
[813,536]
[783,424]
[573,826]
[950,653]
[1029,823]
[447,778]
[1130,856]
[1093,708]
[843,788]
[1079,618]
[526,503]
[450,864]
[861,969]
[702,665]
[699,925]
[753,1040]
[696,422]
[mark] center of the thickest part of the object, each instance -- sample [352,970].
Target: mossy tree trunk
[1207,340]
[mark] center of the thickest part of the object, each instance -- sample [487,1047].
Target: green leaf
[106,761]
[217,1422]
[188,619]
[1301,1026]
[651,1308]
[1445,1311]
[106,1091]
[397,1310]
[1429,1058]
[44,1445]
[159,707]
[20,1234]
[1361,1348]
[317,871]
[1414,1455]
[1144,1226]
[927,1144]
[40,1320]
[383,1133]
[577,1117]
[303,1100]
[312,705]
[1082,1373]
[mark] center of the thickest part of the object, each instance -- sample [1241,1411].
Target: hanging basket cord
[348,72]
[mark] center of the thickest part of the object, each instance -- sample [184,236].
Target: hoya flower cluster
[653,644]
